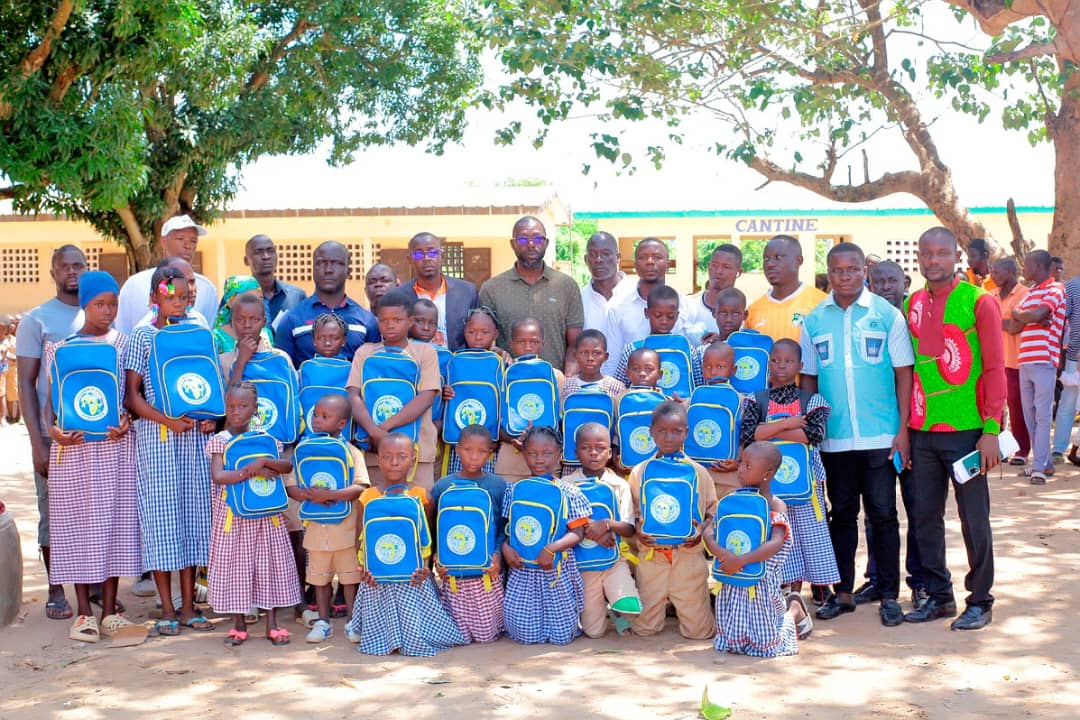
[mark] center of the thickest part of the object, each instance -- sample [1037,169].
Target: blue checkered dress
[543,606]
[811,558]
[404,617]
[173,479]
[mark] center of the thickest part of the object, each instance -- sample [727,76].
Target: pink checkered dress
[93,503]
[477,611]
[252,564]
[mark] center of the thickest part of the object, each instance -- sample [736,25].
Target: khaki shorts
[11,383]
[323,565]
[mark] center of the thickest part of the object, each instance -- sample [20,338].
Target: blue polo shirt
[294,335]
[853,351]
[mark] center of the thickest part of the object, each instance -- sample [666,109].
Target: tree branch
[140,248]
[260,78]
[11,192]
[1024,53]
[888,184]
[37,57]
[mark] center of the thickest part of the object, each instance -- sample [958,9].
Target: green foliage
[155,106]
[705,247]
[753,249]
[570,248]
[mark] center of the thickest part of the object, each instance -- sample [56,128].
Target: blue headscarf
[94,282]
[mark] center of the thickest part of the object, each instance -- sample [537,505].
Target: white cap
[179,223]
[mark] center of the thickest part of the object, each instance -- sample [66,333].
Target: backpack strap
[761,397]
[804,400]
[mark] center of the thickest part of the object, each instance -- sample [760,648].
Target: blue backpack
[444,360]
[388,381]
[714,418]
[85,385]
[585,406]
[395,539]
[751,360]
[633,420]
[538,516]
[676,370]
[478,382]
[669,500]
[532,395]
[590,555]
[322,376]
[278,411]
[258,496]
[742,524]
[326,462]
[793,481]
[465,526]
[185,373]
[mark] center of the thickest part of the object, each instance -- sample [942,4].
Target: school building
[477,238]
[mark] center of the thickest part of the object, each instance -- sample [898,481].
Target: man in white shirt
[179,237]
[725,266]
[608,281]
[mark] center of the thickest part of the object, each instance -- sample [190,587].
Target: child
[766,623]
[173,475]
[591,352]
[226,332]
[425,327]
[543,603]
[251,562]
[526,338]
[615,585]
[811,557]
[717,366]
[246,329]
[730,315]
[643,371]
[395,316]
[331,547]
[673,573]
[662,310]
[94,518]
[193,315]
[328,334]
[476,605]
[406,617]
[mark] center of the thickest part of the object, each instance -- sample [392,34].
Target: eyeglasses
[536,240]
[430,254]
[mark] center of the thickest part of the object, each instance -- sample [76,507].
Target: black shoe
[891,613]
[819,594]
[918,598]
[867,593]
[931,610]
[973,618]
[833,608]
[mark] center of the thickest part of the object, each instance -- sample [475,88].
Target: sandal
[197,623]
[804,627]
[85,629]
[122,631]
[167,628]
[236,637]
[251,616]
[118,606]
[58,609]
[278,636]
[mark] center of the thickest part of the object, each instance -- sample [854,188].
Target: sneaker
[309,618]
[1038,478]
[867,593]
[144,587]
[321,631]
[354,637]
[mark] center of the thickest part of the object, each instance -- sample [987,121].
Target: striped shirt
[1072,314]
[1041,343]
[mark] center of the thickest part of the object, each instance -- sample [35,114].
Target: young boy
[425,327]
[730,315]
[395,316]
[613,587]
[591,352]
[717,366]
[526,338]
[331,547]
[662,310]
[673,573]
[643,370]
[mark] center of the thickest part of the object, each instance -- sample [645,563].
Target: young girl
[94,520]
[769,624]
[251,563]
[173,475]
[543,603]
[811,557]
[225,333]
[406,617]
[328,333]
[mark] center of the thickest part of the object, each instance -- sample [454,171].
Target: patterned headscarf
[235,286]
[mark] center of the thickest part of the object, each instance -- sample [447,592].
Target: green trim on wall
[831,212]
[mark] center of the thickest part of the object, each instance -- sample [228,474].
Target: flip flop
[167,628]
[197,623]
[278,636]
[236,637]
[85,629]
[58,610]
[122,631]
[804,627]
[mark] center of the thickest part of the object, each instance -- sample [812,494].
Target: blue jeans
[1066,412]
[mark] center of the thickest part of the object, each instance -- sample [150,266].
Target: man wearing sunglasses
[530,288]
[454,297]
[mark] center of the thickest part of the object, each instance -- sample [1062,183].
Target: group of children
[519,535]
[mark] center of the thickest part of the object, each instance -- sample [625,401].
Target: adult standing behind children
[54,320]
[857,341]
[532,289]
[330,270]
[779,313]
[606,280]
[261,258]
[1009,293]
[957,399]
[725,267]
[179,237]
[453,297]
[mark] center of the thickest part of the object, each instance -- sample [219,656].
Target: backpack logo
[193,388]
[737,542]
[530,406]
[460,540]
[707,433]
[90,404]
[788,472]
[587,544]
[527,530]
[747,368]
[669,375]
[261,486]
[664,508]
[390,549]
[471,412]
[385,408]
[266,414]
[322,480]
[641,441]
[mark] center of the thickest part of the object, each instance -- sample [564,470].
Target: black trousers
[912,563]
[867,476]
[932,456]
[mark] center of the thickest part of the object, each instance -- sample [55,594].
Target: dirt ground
[1024,665]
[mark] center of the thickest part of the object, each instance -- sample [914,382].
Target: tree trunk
[1065,133]
[941,197]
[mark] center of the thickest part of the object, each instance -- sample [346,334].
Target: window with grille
[905,253]
[19,265]
[93,257]
[358,264]
[294,262]
[454,260]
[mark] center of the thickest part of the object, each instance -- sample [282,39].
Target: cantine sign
[776,225]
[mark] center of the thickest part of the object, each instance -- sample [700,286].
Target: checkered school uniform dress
[173,479]
[542,606]
[760,626]
[93,506]
[811,558]
[404,617]
[476,610]
[252,564]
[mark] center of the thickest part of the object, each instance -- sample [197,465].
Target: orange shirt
[1012,342]
[783,318]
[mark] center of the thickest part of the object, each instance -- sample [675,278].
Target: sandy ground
[1024,665]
